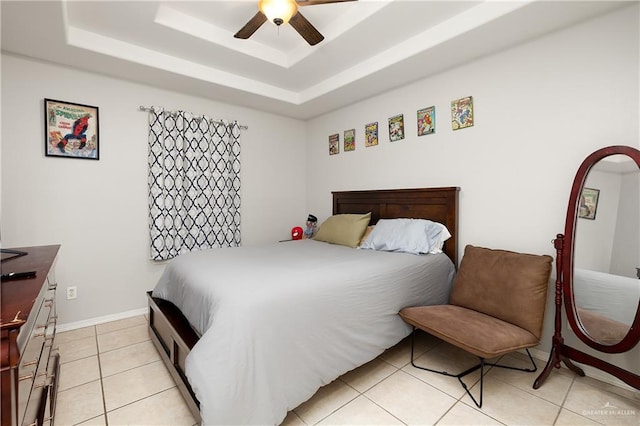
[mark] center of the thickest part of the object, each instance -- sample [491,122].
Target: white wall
[540,109]
[98,210]
[626,248]
[594,240]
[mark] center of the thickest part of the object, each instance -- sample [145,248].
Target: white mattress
[278,322]
[611,296]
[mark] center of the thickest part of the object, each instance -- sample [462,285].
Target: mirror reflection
[606,276]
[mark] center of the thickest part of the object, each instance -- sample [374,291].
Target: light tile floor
[111,374]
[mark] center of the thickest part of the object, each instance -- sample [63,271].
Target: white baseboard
[100,320]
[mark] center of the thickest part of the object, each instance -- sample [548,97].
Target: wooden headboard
[435,204]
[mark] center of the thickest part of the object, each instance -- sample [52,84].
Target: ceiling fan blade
[251,26]
[305,29]
[312,2]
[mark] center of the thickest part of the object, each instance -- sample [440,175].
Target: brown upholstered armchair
[496,306]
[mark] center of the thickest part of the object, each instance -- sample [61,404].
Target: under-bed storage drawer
[167,323]
[174,338]
[160,326]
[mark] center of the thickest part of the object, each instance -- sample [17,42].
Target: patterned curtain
[194,183]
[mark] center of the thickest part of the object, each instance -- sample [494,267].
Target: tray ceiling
[370,46]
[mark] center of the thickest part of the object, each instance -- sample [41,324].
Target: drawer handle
[25,377]
[47,374]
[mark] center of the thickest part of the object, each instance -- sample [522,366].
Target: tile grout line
[566,395]
[104,401]
[562,407]
[95,338]
[384,409]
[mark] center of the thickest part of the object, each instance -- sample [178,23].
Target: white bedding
[612,296]
[278,322]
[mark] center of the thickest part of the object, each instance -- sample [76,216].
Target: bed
[269,343]
[606,304]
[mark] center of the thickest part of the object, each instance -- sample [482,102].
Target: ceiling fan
[282,11]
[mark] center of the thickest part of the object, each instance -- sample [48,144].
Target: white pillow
[441,236]
[417,236]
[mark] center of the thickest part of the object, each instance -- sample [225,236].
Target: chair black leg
[464,385]
[528,370]
[470,370]
[457,376]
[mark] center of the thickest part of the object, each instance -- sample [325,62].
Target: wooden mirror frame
[564,245]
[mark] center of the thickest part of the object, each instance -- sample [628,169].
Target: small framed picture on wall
[334,144]
[588,203]
[396,128]
[427,121]
[462,113]
[371,134]
[71,130]
[350,140]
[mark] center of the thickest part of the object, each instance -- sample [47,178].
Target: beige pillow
[343,229]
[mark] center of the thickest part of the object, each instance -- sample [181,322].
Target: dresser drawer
[28,323]
[33,377]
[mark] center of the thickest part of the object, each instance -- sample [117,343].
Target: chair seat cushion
[475,332]
[602,329]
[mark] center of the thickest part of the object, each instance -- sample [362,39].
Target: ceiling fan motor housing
[282,12]
[278,11]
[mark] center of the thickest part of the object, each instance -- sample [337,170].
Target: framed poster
[588,203]
[350,140]
[396,128]
[462,113]
[427,121]
[334,144]
[371,134]
[71,130]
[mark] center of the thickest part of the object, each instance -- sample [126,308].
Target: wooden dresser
[30,365]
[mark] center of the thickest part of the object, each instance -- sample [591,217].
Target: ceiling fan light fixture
[278,11]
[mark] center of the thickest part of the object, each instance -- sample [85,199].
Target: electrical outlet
[72,292]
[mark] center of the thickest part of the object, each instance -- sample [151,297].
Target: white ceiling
[370,46]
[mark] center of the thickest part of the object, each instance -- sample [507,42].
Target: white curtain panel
[194,183]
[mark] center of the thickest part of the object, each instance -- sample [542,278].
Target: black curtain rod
[242,126]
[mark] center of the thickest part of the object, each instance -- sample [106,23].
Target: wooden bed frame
[173,336]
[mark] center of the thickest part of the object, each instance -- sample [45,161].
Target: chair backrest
[506,285]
